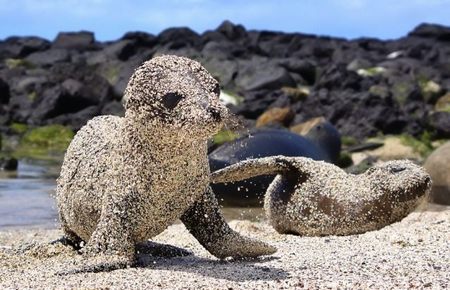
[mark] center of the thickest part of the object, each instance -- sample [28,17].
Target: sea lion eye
[397,169]
[171,100]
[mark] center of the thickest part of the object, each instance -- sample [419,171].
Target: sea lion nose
[215,113]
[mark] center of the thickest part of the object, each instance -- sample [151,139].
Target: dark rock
[255,103]
[176,38]
[122,50]
[438,32]
[212,35]
[4,92]
[305,68]
[20,108]
[359,63]
[231,31]
[141,38]
[49,57]
[222,50]
[28,84]
[72,96]
[440,122]
[76,120]
[9,163]
[371,44]
[19,47]
[257,75]
[223,70]
[113,108]
[56,101]
[363,86]
[74,40]
[118,73]
[337,76]
[275,44]
[4,119]
[72,87]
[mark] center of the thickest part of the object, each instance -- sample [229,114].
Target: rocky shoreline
[363,86]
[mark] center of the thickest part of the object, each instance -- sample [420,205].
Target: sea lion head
[178,94]
[402,178]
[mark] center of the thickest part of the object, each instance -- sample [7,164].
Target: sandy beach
[414,253]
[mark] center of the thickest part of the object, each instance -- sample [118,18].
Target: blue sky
[110,19]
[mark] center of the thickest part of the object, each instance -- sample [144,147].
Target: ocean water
[26,197]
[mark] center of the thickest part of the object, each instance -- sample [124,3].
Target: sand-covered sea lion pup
[314,198]
[125,180]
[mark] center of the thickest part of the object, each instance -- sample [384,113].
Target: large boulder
[19,47]
[257,75]
[305,68]
[222,50]
[440,123]
[438,166]
[176,38]
[76,120]
[48,57]
[223,70]
[122,49]
[72,96]
[231,31]
[4,92]
[74,40]
[113,108]
[435,31]
[140,38]
[255,103]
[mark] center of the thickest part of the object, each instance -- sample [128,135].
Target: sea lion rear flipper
[255,167]
[208,226]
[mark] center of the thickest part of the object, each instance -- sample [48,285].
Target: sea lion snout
[215,114]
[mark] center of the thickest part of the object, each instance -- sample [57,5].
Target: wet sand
[414,253]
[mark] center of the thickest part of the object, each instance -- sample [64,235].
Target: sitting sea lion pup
[314,198]
[125,180]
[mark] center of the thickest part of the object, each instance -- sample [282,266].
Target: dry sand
[414,253]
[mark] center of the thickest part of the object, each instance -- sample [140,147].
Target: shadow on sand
[166,257]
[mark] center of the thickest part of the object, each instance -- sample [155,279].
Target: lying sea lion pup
[125,180]
[314,198]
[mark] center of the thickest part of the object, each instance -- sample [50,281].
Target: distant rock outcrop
[363,86]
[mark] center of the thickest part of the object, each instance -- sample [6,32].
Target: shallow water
[26,198]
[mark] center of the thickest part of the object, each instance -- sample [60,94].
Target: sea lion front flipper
[112,236]
[260,166]
[208,226]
